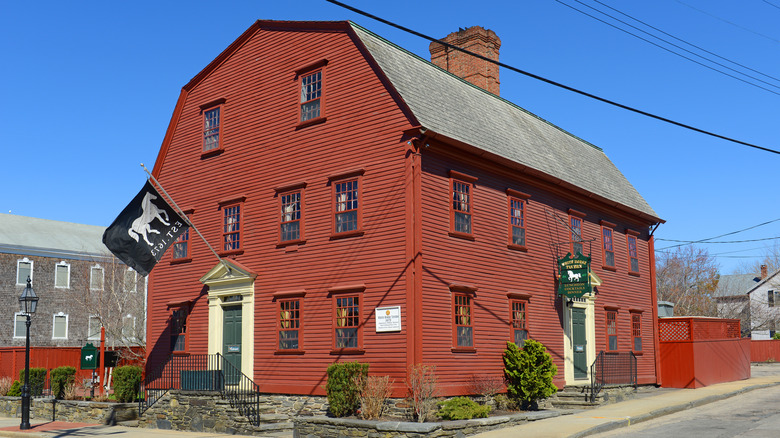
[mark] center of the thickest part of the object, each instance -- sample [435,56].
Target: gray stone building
[81,286]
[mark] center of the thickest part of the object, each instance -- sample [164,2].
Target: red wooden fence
[697,352]
[12,360]
[765,351]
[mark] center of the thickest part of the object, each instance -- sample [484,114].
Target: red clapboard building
[372,206]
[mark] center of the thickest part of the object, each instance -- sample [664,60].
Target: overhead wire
[674,45]
[682,40]
[710,239]
[730,22]
[554,83]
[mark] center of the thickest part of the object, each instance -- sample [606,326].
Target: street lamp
[28,302]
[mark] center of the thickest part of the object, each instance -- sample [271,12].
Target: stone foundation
[73,411]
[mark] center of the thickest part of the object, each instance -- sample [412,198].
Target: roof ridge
[509,102]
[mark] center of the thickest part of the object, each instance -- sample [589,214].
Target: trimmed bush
[127,383]
[462,408]
[62,378]
[37,381]
[529,373]
[344,387]
[16,389]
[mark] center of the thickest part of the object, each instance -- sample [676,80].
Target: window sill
[464,350]
[211,153]
[313,121]
[230,253]
[346,234]
[289,352]
[180,261]
[517,247]
[290,243]
[348,351]
[180,353]
[609,268]
[634,274]
[638,353]
[460,235]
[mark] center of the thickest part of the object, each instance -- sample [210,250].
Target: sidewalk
[617,415]
[579,424]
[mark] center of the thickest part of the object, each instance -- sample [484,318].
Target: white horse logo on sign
[89,358]
[574,276]
[142,225]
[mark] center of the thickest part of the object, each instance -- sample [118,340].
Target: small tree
[423,387]
[344,386]
[529,373]
[376,389]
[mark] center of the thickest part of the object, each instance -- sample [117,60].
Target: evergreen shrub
[462,408]
[344,387]
[529,373]
[62,378]
[127,383]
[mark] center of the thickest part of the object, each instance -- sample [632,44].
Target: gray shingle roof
[42,237]
[737,284]
[450,106]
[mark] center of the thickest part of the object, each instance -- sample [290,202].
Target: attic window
[311,85]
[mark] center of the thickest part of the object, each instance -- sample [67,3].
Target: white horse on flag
[142,225]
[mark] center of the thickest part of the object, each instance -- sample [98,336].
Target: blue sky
[89,87]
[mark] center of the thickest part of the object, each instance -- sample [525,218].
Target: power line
[674,45]
[772,4]
[709,239]
[729,22]
[681,40]
[551,82]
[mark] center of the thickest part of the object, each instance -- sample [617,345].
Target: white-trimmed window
[128,327]
[94,328]
[131,280]
[62,275]
[59,326]
[20,325]
[96,275]
[24,269]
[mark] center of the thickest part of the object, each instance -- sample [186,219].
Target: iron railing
[202,372]
[612,369]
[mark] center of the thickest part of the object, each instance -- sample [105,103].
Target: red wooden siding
[495,270]
[765,351]
[263,149]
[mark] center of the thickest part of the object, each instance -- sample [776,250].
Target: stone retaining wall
[315,427]
[74,411]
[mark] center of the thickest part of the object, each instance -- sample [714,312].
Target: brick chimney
[763,272]
[477,40]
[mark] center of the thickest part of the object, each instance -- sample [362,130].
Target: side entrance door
[580,343]
[231,343]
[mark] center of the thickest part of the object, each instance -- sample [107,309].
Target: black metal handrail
[612,369]
[202,372]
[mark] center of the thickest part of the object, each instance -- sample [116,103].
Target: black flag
[144,230]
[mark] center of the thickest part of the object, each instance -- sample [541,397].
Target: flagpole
[187,219]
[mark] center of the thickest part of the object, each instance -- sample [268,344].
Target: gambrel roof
[447,107]
[452,107]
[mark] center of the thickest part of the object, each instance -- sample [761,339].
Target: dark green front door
[231,343]
[580,343]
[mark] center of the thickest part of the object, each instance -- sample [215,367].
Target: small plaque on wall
[388,319]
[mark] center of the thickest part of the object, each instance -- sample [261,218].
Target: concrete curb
[617,424]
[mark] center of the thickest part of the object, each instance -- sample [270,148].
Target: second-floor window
[93,329]
[96,278]
[62,275]
[231,227]
[633,258]
[60,326]
[609,252]
[24,269]
[346,214]
[517,221]
[461,206]
[290,228]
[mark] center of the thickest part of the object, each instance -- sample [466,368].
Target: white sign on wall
[388,319]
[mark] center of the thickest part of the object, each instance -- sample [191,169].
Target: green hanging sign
[89,357]
[574,280]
